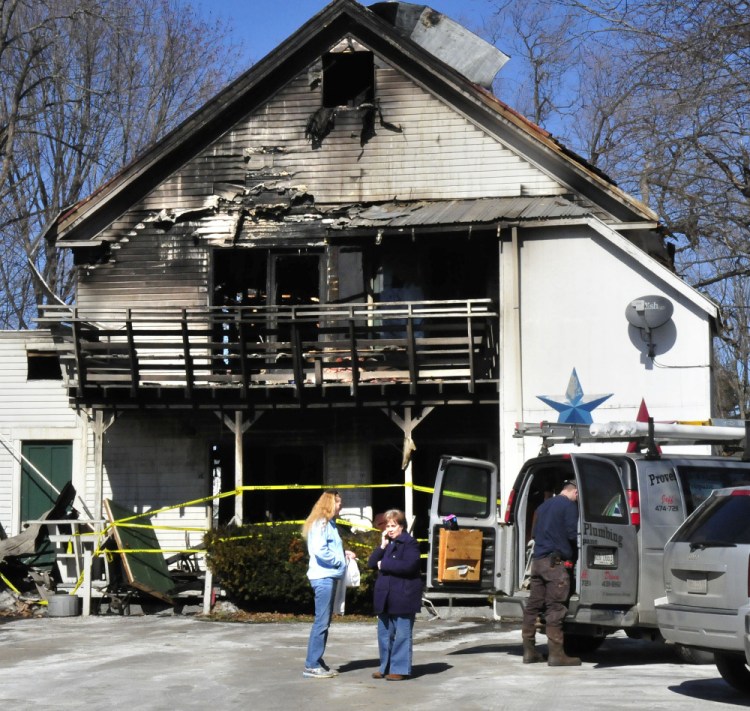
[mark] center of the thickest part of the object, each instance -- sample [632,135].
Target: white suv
[707,581]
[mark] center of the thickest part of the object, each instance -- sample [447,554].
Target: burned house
[354,259]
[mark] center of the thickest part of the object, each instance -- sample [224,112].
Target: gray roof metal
[482,210]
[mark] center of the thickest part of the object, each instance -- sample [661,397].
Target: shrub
[264,568]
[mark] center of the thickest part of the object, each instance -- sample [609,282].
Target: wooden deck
[280,356]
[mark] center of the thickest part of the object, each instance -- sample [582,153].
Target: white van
[630,504]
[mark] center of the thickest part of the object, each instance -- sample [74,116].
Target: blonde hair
[324,509]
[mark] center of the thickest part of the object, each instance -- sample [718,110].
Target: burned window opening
[90,256]
[348,83]
[259,278]
[348,79]
[434,267]
[295,278]
[254,277]
[239,277]
[43,365]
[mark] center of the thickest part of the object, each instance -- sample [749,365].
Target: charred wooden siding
[150,266]
[435,154]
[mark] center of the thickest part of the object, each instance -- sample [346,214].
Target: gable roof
[82,222]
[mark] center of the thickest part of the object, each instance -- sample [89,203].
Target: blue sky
[259,25]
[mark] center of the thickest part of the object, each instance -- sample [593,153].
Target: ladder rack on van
[647,434]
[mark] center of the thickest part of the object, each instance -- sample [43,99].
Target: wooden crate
[460,556]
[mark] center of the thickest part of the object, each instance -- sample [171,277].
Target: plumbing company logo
[602,532]
[654,479]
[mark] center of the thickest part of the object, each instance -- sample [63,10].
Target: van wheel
[733,670]
[577,644]
[690,655]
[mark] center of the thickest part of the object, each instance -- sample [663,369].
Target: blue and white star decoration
[576,407]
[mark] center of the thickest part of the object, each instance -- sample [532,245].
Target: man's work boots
[557,656]
[530,653]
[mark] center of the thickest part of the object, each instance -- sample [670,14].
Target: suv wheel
[691,655]
[733,670]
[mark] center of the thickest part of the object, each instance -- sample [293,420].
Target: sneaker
[318,673]
[325,667]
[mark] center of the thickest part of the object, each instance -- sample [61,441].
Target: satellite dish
[649,312]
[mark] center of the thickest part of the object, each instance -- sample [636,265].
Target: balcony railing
[262,354]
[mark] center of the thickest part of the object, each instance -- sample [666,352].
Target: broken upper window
[43,365]
[348,79]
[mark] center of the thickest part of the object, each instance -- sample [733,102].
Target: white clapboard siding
[6,483]
[30,410]
[137,476]
[166,468]
[439,154]
[29,403]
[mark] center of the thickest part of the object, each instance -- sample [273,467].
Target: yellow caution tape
[127,522]
[156,550]
[194,502]
[159,528]
[265,487]
[9,584]
[269,487]
[462,495]
[302,487]
[424,489]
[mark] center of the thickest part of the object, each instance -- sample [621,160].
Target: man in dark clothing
[555,533]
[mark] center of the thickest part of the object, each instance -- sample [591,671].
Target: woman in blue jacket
[398,596]
[327,567]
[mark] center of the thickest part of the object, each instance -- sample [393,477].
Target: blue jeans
[395,643]
[324,590]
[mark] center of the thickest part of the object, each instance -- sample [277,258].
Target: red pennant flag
[641,417]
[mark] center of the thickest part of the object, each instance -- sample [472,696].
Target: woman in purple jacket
[398,596]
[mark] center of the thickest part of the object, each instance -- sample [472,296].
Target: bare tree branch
[84,86]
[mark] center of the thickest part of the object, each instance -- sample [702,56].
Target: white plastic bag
[339,601]
[350,580]
[351,576]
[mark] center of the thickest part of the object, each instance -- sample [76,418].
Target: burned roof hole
[348,79]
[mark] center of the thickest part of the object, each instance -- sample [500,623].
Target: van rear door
[608,556]
[468,542]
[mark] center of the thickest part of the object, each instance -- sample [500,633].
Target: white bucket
[63,606]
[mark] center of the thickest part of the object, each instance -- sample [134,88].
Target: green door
[55,461]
